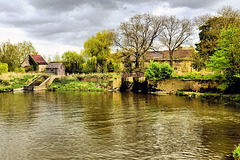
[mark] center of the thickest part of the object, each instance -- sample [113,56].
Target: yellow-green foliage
[73,84]
[3,68]
[156,71]
[12,81]
[236,153]
[99,75]
[19,70]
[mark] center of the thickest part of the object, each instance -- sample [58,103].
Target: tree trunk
[137,62]
[171,58]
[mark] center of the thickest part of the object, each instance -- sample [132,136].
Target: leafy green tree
[157,71]
[3,68]
[90,65]
[49,59]
[14,54]
[56,58]
[73,62]
[97,50]
[9,55]
[210,34]
[226,59]
[127,64]
[23,49]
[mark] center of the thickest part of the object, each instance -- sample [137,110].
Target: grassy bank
[100,75]
[199,75]
[213,97]
[72,83]
[10,81]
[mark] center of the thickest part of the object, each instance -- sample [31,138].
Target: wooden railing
[136,75]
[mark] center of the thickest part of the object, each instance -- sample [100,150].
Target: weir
[41,83]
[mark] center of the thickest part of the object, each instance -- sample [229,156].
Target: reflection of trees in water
[19,107]
[101,125]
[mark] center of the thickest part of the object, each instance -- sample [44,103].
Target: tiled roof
[39,59]
[180,54]
[54,65]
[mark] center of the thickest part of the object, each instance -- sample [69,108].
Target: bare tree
[136,36]
[201,20]
[229,16]
[176,32]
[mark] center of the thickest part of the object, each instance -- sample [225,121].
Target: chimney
[180,48]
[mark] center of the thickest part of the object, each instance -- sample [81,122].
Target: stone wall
[42,67]
[173,85]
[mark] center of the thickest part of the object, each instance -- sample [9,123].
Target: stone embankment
[168,86]
[174,85]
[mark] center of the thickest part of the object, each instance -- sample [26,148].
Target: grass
[199,75]
[99,75]
[73,84]
[12,81]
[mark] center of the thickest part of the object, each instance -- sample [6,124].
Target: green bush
[237,98]
[156,71]
[3,68]
[236,153]
[19,70]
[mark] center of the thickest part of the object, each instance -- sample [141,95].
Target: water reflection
[81,125]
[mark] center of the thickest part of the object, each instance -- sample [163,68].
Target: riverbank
[194,88]
[233,99]
[11,80]
[88,82]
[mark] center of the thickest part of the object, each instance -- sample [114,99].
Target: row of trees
[144,32]
[141,33]
[210,28]
[136,36]
[96,56]
[14,54]
[219,47]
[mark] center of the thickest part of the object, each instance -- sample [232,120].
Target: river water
[91,125]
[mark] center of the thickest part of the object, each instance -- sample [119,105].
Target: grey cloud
[63,5]
[73,21]
[195,4]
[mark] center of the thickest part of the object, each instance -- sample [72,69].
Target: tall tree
[176,32]
[136,36]
[56,58]
[226,59]
[98,48]
[25,48]
[9,55]
[209,34]
[14,54]
[49,59]
[73,62]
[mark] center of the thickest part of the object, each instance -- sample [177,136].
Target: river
[91,125]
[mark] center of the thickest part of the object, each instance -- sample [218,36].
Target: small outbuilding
[36,62]
[56,68]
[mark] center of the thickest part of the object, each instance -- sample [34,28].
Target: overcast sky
[56,26]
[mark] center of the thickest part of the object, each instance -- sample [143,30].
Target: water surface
[88,125]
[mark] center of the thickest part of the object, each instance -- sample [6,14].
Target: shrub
[236,153]
[156,71]
[19,70]
[3,68]
[237,98]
